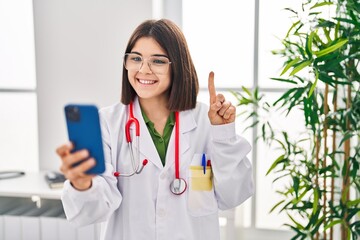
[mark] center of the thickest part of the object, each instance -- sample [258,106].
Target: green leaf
[314,13]
[325,25]
[246,90]
[298,199]
[280,177]
[318,40]
[276,205]
[320,5]
[256,93]
[291,10]
[309,41]
[252,125]
[275,163]
[296,183]
[348,21]
[300,67]
[316,201]
[263,132]
[296,23]
[282,145]
[336,32]
[330,49]
[326,79]
[285,95]
[333,223]
[313,86]
[295,99]
[347,136]
[298,225]
[284,80]
[289,65]
[253,114]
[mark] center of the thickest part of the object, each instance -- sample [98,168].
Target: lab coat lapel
[146,145]
[187,123]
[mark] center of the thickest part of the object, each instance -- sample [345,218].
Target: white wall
[79,47]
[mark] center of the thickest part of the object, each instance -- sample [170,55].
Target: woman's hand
[220,111]
[76,174]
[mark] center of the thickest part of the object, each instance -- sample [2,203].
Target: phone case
[84,132]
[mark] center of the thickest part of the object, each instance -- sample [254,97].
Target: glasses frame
[148,63]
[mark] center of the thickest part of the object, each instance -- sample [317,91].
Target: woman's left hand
[220,111]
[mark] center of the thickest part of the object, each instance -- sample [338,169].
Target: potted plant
[321,66]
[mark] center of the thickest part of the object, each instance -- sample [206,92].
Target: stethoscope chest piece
[178,186]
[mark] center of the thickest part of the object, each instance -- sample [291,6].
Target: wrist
[82,186]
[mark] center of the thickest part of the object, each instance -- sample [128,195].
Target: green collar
[161,142]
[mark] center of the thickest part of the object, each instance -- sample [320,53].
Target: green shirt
[161,142]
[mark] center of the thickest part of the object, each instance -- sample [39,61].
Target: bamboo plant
[321,69]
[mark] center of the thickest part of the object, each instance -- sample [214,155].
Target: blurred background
[58,52]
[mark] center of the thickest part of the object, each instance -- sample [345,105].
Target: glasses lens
[157,64]
[132,61]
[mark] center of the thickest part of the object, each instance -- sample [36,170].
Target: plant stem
[333,157]
[346,182]
[317,170]
[326,110]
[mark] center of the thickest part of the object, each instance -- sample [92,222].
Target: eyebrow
[154,55]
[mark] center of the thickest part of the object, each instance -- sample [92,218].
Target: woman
[196,162]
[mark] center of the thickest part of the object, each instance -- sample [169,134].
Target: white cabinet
[30,210]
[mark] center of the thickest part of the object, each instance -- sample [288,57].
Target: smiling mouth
[146,82]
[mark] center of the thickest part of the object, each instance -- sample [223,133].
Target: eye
[159,60]
[136,58]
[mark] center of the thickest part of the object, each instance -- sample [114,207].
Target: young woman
[196,164]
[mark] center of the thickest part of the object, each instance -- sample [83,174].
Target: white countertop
[29,185]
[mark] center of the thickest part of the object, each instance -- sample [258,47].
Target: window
[18,102]
[235,40]
[228,53]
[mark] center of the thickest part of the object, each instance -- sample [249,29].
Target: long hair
[184,85]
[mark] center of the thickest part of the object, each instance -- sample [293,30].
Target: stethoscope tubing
[135,159]
[11,174]
[178,185]
[177,144]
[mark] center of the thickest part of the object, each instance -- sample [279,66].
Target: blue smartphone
[83,126]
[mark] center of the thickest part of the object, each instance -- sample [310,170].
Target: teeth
[146,81]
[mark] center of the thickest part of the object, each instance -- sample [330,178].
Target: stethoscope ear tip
[116,174]
[145,162]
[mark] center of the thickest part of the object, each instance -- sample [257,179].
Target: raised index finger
[211,87]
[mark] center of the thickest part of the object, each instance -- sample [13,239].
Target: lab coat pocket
[201,196]
[201,181]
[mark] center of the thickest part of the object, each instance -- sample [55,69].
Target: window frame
[253,233]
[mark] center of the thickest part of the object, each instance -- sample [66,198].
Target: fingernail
[92,161]
[85,153]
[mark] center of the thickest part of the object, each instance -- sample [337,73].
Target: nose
[145,67]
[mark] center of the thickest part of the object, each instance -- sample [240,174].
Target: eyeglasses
[157,64]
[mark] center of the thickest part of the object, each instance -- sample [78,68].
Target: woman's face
[152,80]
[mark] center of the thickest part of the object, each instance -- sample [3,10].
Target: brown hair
[184,81]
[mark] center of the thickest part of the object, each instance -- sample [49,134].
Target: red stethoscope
[178,185]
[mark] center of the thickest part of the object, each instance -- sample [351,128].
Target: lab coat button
[163,176]
[161,213]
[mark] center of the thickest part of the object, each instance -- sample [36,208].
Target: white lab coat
[142,206]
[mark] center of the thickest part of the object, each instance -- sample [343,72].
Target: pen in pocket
[203,162]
